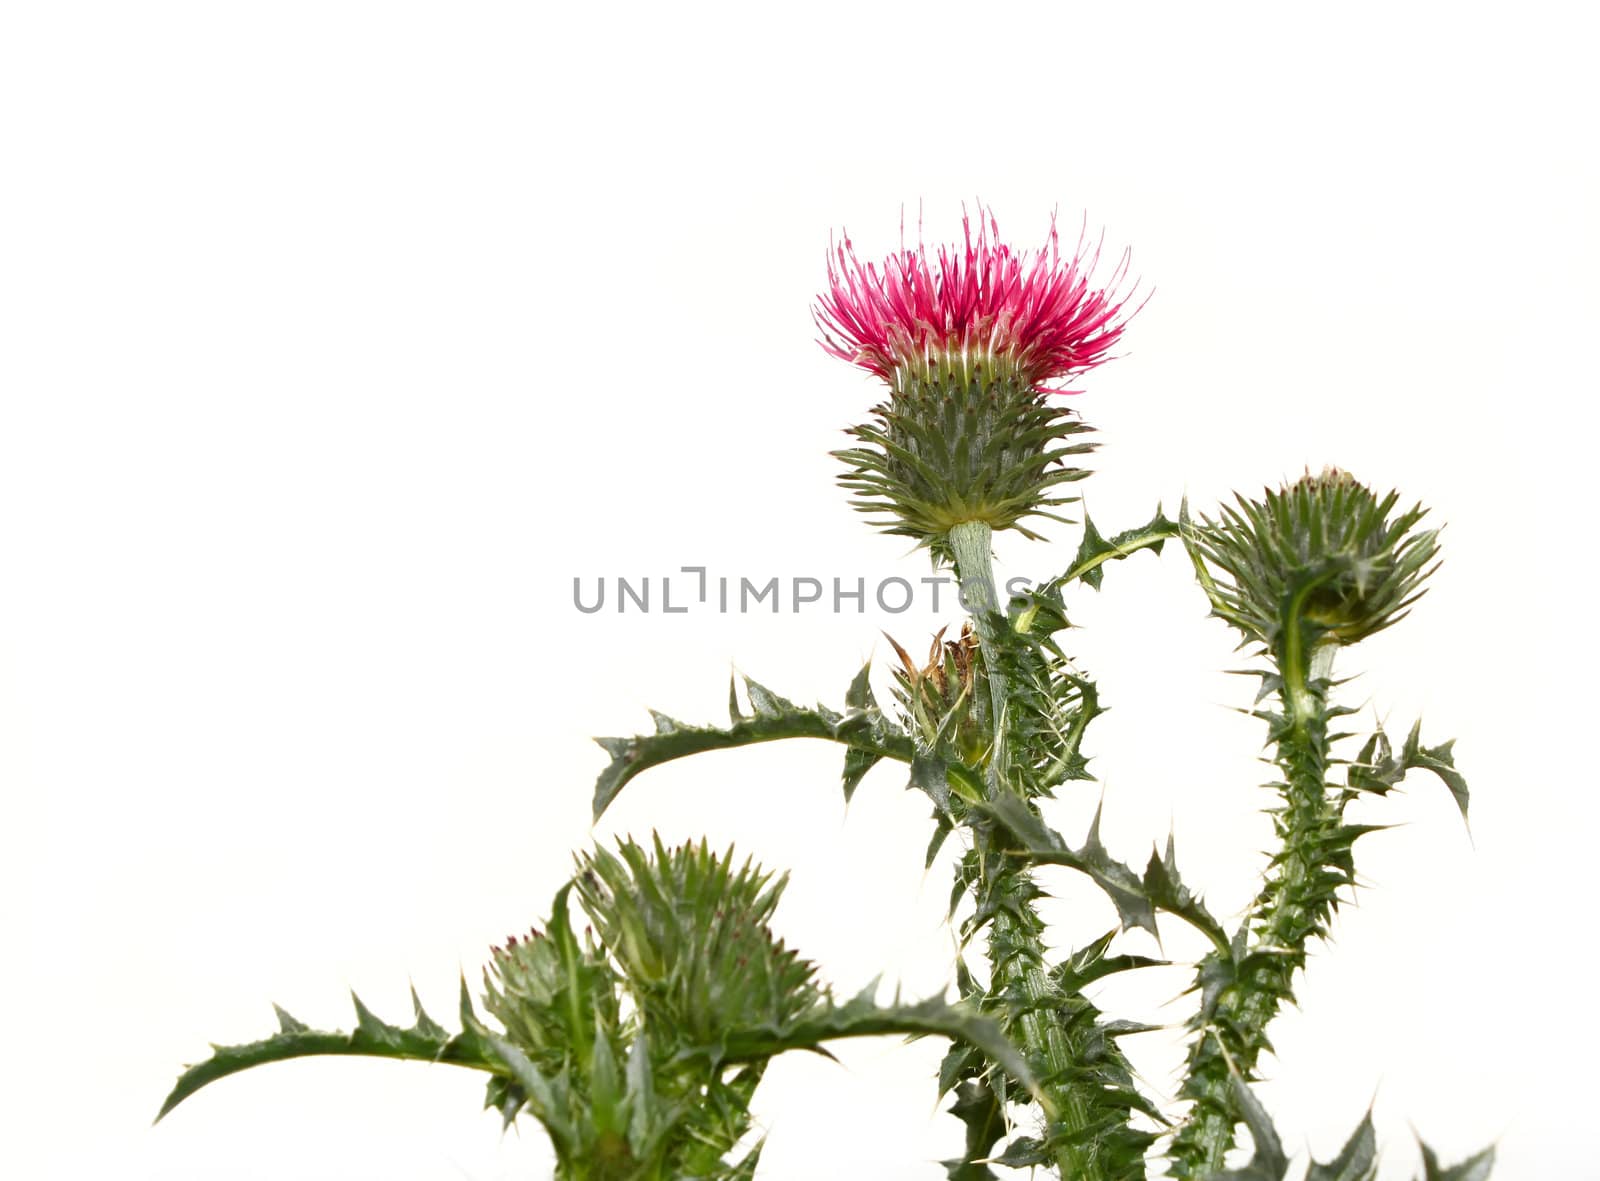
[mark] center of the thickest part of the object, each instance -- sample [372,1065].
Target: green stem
[971,542]
[1295,904]
[1019,987]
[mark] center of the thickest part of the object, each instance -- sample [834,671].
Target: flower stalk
[1241,994]
[1306,570]
[1019,986]
[970,544]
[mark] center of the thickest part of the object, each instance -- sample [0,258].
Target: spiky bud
[532,989]
[689,931]
[1322,556]
[967,341]
[947,698]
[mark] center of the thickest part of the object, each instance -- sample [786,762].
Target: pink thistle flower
[980,306]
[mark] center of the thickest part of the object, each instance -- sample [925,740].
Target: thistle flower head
[967,338]
[980,307]
[1323,556]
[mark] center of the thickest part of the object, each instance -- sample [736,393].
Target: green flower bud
[958,443]
[1322,556]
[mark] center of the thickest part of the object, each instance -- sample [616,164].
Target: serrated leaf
[745,1170]
[1268,1162]
[930,775]
[1094,551]
[372,1038]
[1378,770]
[941,831]
[1357,1160]
[1090,963]
[1044,846]
[1025,1152]
[1474,1168]
[866,731]
[1136,899]
[425,1024]
[862,1016]
[857,762]
[541,1096]
[859,695]
[765,702]
[1166,891]
[979,1108]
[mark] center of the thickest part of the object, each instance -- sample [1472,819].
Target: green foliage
[1474,1168]
[1378,769]
[1049,702]
[639,1046]
[862,728]
[423,1041]
[1094,551]
[1356,1161]
[638,1051]
[951,447]
[1043,710]
[1137,898]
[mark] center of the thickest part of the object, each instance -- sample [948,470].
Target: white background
[338,338]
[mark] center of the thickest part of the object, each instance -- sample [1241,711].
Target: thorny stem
[1240,998]
[1019,987]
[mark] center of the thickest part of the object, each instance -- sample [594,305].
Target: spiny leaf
[1090,963]
[1357,1160]
[424,1041]
[1268,1163]
[745,1169]
[542,1097]
[1094,551]
[865,730]
[979,1108]
[1474,1168]
[1165,889]
[1378,770]
[930,774]
[862,1016]
[1136,899]
[765,702]
[941,831]
[1044,846]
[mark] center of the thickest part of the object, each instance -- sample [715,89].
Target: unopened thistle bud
[967,341]
[947,699]
[1322,555]
[527,989]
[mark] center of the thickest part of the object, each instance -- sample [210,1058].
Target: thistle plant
[639,1045]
